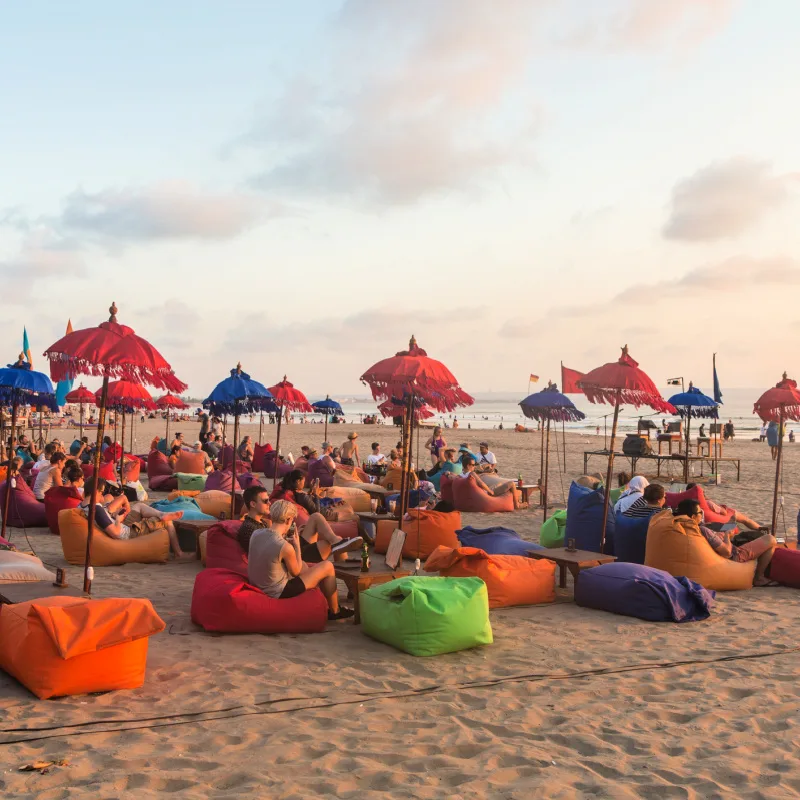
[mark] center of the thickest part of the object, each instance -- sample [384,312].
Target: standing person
[729,432]
[205,426]
[216,427]
[349,452]
[762,434]
[773,437]
[436,444]
[275,564]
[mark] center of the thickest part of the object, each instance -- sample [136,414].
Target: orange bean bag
[510,580]
[190,463]
[176,493]
[356,498]
[214,502]
[152,548]
[391,480]
[468,497]
[425,531]
[70,645]
[676,545]
[133,469]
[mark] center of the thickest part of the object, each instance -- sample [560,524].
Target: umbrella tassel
[101,421]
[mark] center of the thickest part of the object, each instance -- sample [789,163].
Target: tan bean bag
[391,480]
[151,548]
[214,502]
[356,498]
[190,463]
[676,545]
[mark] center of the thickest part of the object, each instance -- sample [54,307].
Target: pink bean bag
[223,549]
[697,493]
[446,487]
[221,480]
[316,469]
[24,510]
[223,601]
[468,497]
[56,499]
[159,473]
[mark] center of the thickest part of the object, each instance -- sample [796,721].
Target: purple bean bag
[221,480]
[247,480]
[496,541]
[644,592]
[270,460]
[24,510]
[630,538]
[316,469]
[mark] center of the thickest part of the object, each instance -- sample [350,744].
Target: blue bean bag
[585,519]
[644,592]
[630,538]
[191,511]
[496,541]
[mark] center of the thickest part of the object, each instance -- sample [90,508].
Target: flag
[673,381]
[717,390]
[569,380]
[533,378]
[26,348]
[63,388]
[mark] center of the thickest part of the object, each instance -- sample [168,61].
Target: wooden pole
[777,473]
[546,471]
[686,454]
[7,498]
[122,452]
[235,445]
[564,446]
[166,433]
[541,464]
[80,421]
[607,493]
[101,421]
[260,425]
[277,446]
[406,461]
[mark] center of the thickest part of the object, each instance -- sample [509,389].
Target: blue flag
[717,390]
[63,388]
[26,348]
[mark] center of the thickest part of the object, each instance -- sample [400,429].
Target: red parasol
[619,383]
[80,395]
[110,350]
[165,403]
[391,409]
[286,397]
[778,404]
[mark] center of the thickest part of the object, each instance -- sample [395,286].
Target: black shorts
[310,553]
[294,587]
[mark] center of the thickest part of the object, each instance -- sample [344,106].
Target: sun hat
[352,435]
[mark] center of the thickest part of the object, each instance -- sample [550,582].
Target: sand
[566,703]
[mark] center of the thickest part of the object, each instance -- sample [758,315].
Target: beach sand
[567,703]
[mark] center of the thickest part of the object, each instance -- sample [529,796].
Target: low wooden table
[526,490]
[357,581]
[13,593]
[195,527]
[372,516]
[574,562]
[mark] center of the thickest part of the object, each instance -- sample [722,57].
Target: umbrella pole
[607,493]
[101,421]
[80,421]
[122,453]
[235,445]
[277,446]
[686,454]
[166,432]
[224,433]
[325,435]
[547,470]
[40,443]
[405,463]
[564,445]
[7,498]
[541,465]
[777,473]
[133,422]
[260,426]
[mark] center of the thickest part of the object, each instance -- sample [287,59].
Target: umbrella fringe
[442,398]
[554,414]
[63,367]
[628,397]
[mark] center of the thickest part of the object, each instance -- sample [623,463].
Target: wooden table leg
[562,576]
[575,570]
[357,606]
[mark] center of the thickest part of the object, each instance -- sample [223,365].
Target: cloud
[724,199]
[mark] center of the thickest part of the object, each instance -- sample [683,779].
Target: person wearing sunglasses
[468,464]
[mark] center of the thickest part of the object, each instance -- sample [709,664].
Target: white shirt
[487,458]
[44,480]
[376,458]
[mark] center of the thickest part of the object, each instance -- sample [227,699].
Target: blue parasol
[327,407]
[693,403]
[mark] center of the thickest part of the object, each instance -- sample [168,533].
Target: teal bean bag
[191,511]
[428,616]
[552,531]
[187,482]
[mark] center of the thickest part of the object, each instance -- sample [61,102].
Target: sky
[302,186]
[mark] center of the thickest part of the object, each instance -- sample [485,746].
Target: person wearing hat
[487,462]
[349,451]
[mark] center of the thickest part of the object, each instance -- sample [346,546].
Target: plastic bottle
[364,557]
[417,565]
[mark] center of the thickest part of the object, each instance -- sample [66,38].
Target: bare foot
[172,516]
[183,556]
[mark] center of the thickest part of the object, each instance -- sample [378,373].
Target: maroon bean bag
[468,497]
[248,479]
[446,487]
[270,460]
[159,473]
[316,469]
[227,460]
[56,499]
[221,480]
[259,451]
[223,549]
[223,601]
[24,510]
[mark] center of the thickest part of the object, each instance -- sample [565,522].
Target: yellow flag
[534,378]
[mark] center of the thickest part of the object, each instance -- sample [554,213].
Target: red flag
[569,380]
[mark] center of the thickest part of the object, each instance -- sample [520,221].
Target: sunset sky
[301,186]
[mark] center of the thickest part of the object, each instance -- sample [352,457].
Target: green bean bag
[552,531]
[428,616]
[614,494]
[187,482]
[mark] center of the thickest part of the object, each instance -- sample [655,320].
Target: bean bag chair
[318,471]
[496,541]
[425,531]
[70,645]
[247,480]
[585,519]
[352,473]
[300,463]
[468,497]
[133,468]
[697,493]
[182,493]
[190,482]
[630,538]
[88,471]
[259,451]
[510,580]
[270,459]
[446,487]
[393,477]
[190,463]
[189,506]
[222,480]
[223,550]
[56,499]
[676,545]
[159,473]
[428,616]
[3,473]
[20,567]
[223,601]
[638,591]
[152,548]
[109,471]
[142,464]
[357,499]
[784,567]
[551,533]
[112,453]
[226,456]
[24,510]
[162,447]
[214,502]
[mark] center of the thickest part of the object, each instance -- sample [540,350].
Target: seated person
[80,448]
[464,448]
[651,502]
[256,503]
[376,457]
[26,450]
[207,465]
[394,459]
[450,464]
[120,519]
[72,475]
[173,456]
[275,562]
[731,513]
[326,459]
[106,444]
[759,550]
[634,491]
[486,461]
[177,442]
[468,474]
[245,450]
[43,459]
[49,476]
[212,446]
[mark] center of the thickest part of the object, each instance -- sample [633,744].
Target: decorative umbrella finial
[238,367]
[21,358]
[785,374]
[113,311]
[625,351]
[284,378]
[412,342]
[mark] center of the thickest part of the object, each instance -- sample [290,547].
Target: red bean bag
[159,473]
[259,451]
[227,461]
[190,463]
[223,601]
[223,549]
[112,453]
[697,493]
[88,471]
[316,469]
[468,497]
[221,480]
[510,580]
[56,499]
[425,531]
[446,487]
[24,510]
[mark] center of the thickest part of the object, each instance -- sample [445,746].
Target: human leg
[761,551]
[322,575]
[148,511]
[746,521]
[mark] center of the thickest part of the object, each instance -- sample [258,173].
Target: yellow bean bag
[391,480]
[676,545]
[357,499]
[214,502]
[152,548]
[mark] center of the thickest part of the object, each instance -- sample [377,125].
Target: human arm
[57,477]
[720,542]
[290,555]
[480,484]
